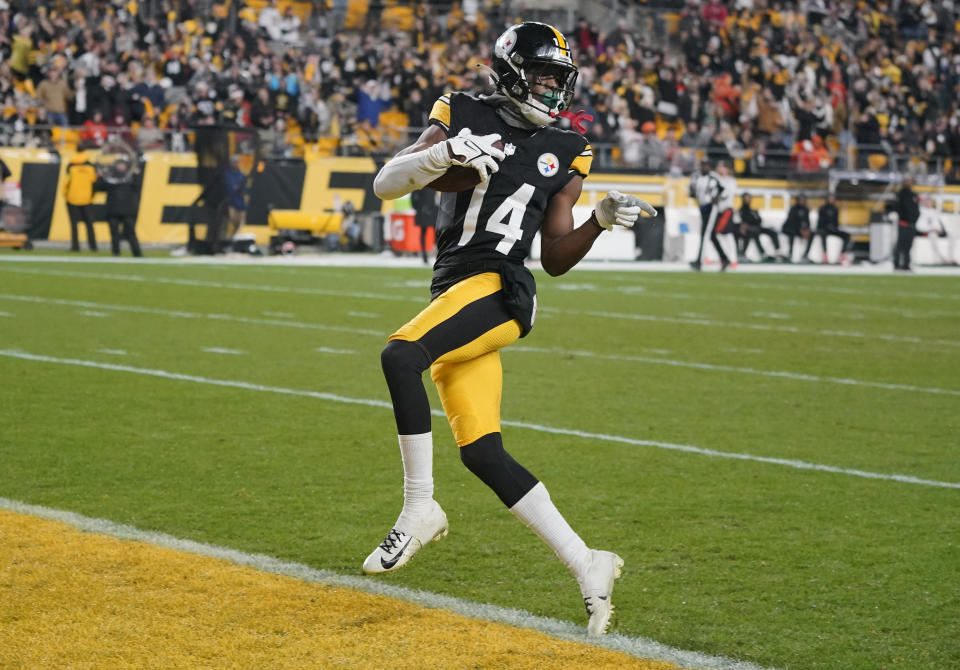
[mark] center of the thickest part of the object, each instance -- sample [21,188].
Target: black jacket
[425,205]
[828,217]
[798,218]
[750,216]
[908,209]
[123,197]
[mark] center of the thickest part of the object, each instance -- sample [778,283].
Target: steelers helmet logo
[505,44]
[548,164]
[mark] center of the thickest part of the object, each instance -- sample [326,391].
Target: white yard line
[796,330]
[911,312]
[807,273]
[640,647]
[819,288]
[546,310]
[848,311]
[181,314]
[797,376]
[904,312]
[333,397]
[328,350]
[200,283]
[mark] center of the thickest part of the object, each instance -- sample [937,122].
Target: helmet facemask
[550,89]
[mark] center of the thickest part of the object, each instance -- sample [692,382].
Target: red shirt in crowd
[95,131]
[715,12]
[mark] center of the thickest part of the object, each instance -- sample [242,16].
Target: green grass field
[244,406]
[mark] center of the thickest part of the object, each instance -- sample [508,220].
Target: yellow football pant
[463,331]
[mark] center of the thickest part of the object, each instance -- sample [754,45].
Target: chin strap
[576,120]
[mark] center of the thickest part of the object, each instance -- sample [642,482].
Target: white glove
[620,209]
[475,151]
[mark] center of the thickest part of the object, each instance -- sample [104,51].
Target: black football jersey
[496,221]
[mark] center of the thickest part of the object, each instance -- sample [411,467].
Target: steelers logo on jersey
[548,164]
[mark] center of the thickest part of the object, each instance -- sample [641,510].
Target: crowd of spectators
[769,84]
[782,85]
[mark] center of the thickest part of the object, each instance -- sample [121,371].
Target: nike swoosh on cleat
[393,561]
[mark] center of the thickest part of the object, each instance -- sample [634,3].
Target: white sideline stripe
[798,376]
[333,397]
[640,647]
[584,353]
[223,350]
[180,314]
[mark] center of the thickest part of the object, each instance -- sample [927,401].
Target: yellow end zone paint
[74,599]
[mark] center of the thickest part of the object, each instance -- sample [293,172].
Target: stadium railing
[291,143]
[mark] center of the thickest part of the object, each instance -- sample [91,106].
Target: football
[458,177]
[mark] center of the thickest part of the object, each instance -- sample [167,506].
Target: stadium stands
[791,85]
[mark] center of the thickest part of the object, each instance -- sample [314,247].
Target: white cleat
[596,586]
[405,539]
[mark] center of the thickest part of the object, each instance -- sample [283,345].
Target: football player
[723,208]
[483,298]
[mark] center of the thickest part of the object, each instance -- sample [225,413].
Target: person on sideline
[4,173]
[484,298]
[425,208]
[933,227]
[235,187]
[723,213]
[751,228]
[908,213]
[828,223]
[798,225]
[705,188]
[78,192]
[123,205]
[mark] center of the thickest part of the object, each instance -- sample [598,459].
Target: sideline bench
[316,223]
[14,240]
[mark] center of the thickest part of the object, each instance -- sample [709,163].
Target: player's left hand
[620,209]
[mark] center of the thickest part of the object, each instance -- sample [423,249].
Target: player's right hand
[475,151]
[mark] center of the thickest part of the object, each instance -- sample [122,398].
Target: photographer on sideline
[123,203]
